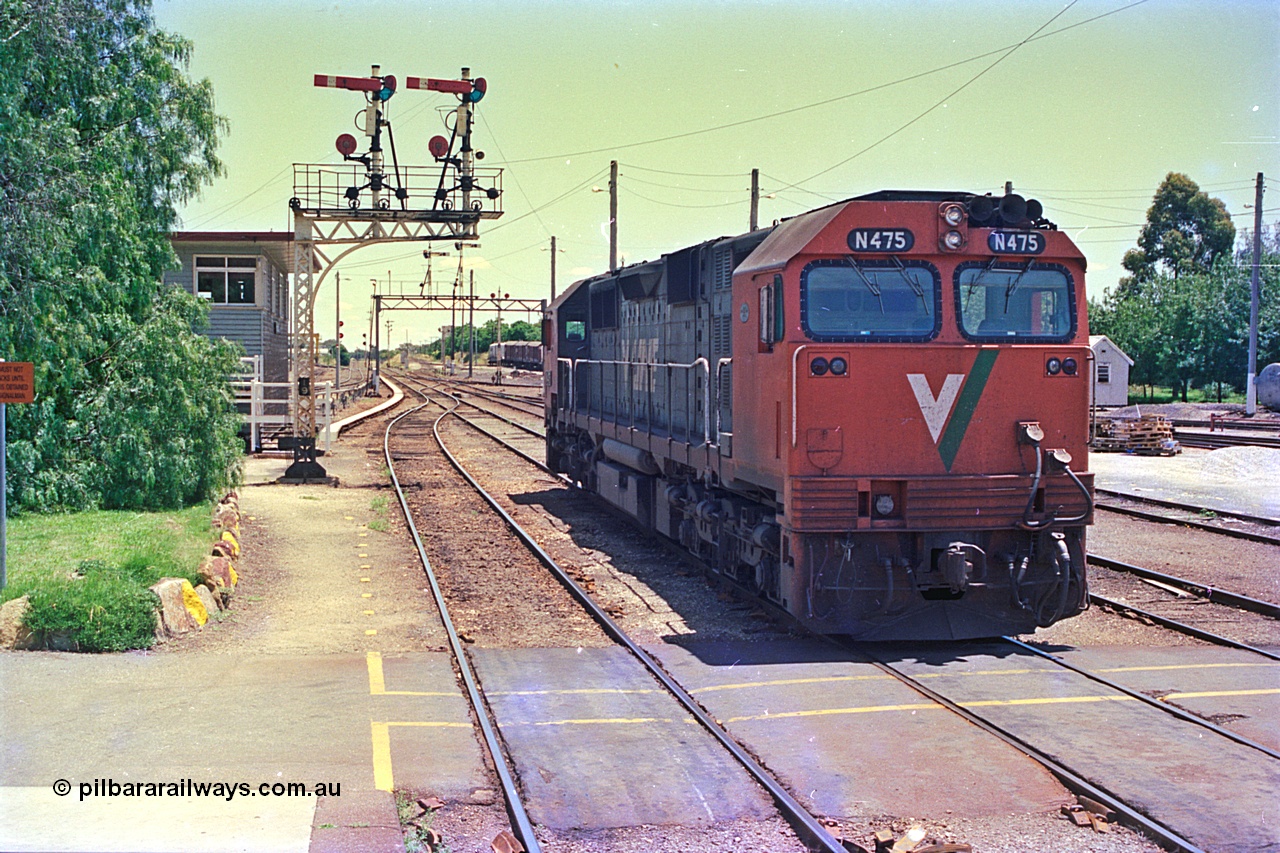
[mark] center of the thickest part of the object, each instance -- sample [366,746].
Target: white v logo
[936,410]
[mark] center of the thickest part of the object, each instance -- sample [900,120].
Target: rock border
[184,608]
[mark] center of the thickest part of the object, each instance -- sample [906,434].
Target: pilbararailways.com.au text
[191,788]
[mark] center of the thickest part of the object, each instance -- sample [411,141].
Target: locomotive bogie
[875,426]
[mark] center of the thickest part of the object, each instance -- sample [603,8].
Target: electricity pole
[471,332]
[613,216]
[553,269]
[1251,387]
[337,333]
[755,200]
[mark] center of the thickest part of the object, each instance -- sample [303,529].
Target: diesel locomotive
[874,414]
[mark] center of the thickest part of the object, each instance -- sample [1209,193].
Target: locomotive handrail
[574,364]
[795,360]
[720,403]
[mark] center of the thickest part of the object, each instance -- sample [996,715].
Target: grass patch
[380,522]
[87,573]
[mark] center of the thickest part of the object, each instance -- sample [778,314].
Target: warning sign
[17,382]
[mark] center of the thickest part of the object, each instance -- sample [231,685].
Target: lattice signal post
[338,208]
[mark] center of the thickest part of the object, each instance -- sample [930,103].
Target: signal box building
[1110,372]
[244,275]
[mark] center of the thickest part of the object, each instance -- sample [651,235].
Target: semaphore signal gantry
[338,208]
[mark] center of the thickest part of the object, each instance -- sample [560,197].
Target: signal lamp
[1069,366]
[953,240]
[953,214]
[1053,366]
[819,366]
[478,87]
[839,367]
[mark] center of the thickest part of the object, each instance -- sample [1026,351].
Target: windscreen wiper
[1013,285]
[911,282]
[874,288]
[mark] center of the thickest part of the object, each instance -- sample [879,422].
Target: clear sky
[828,99]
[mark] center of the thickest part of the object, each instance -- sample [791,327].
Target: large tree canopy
[1186,231]
[102,134]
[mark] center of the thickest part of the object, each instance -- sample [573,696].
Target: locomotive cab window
[1015,302]
[881,300]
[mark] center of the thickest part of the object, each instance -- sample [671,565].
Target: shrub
[105,609]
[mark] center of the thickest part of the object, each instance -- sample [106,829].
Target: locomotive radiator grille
[837,504]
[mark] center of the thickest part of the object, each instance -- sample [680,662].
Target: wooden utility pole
[471,332]
[613,215]
[553,269]
[1251,386]
[755,199]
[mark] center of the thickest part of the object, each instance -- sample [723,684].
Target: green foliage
[1186,231]
[1192,329]
[104,609]
[102,136]
[485,336]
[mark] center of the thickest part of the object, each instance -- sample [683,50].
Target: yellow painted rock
[230,539]
[191,601]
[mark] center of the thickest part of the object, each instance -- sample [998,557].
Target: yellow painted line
[607,721]
[362,534]
[367,612]
[383,778]
[366,595]
[372,632]
[835,679]
[362,555]
[1185,666]
[1045,700]
[1208,693]
[582,691]
[366,566]
[378,681]
[364,580]
[349,517]
[783,682]
[826,712]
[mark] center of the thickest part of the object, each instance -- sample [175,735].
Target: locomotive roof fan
[1010,211]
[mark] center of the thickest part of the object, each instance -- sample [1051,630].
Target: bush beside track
[155,576]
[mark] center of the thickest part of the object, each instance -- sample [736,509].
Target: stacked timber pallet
[1148,435]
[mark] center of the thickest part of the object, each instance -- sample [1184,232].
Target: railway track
[1100,689]
[807,828]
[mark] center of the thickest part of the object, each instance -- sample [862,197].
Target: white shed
[1110,372]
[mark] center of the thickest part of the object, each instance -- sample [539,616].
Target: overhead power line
[814,105]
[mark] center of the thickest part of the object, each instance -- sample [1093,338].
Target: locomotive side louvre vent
[723,270]
[720,332]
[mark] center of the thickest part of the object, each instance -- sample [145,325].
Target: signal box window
[227,281]
[852,300]
[1015,302]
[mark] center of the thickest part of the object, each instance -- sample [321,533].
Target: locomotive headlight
[953,240]
[839,367]
[884,504]
[1069,366]
[1053,366]
[819,366]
